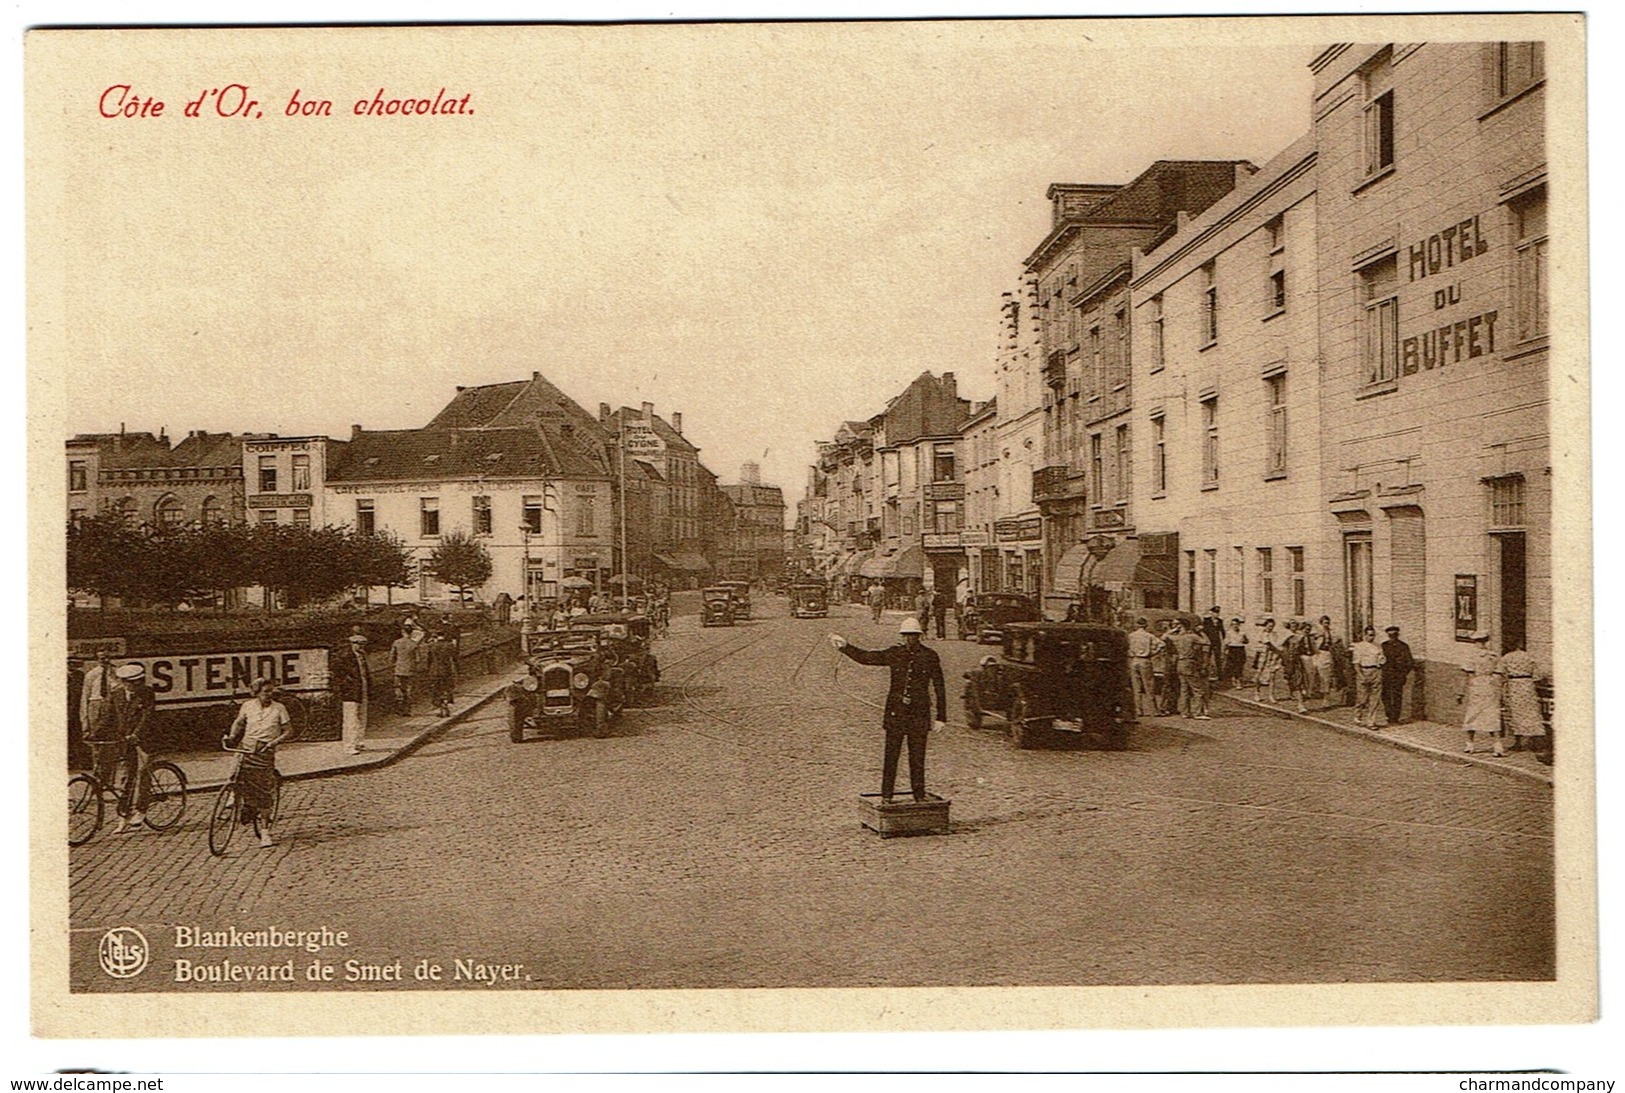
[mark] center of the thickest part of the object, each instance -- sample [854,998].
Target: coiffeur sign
[198,679]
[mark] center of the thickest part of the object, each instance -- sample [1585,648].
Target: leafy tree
[102,551]
[381,561]
[460,561]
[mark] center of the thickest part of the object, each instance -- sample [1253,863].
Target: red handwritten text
[379,106]
[120,101]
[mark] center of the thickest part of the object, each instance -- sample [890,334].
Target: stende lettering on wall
[1455,339]
[197,679]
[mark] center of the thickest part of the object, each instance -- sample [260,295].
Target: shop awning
[874,567]
[853,563]
[1069,570]
[908,563]
[1126,569]
[685,560]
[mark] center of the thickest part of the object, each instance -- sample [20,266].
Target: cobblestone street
[713,841]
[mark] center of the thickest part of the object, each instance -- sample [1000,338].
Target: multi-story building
[1226,415]
[518,466]
[198,481]
[675,540]
[283,479]
[979,451]
[1435,432]
[1012,560]
[1079,275]
[758,540]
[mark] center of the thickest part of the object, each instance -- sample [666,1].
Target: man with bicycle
[262,723]
[119,740]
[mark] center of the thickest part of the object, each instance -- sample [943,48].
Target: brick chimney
[648,411]
[950,385]
[355,432]
[603,411]
[677,423]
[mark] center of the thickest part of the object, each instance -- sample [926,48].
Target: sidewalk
[389,736]
[1425,737]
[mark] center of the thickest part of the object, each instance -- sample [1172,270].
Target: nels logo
[123,952]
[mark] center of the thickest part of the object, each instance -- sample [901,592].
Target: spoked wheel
[223,820]
[166,795]
[84,809]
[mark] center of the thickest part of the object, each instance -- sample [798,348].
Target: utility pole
[620,442]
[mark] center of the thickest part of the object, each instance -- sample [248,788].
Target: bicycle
[87,800]
[226,816]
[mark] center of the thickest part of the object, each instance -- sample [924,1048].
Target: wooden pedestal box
[904,816]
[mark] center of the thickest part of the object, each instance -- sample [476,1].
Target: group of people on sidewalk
[419,660]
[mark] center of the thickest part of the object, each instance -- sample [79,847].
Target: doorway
[1512,591]
[1357,582]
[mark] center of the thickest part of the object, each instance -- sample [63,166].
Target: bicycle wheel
[223,820]
[166,795]
[84,809]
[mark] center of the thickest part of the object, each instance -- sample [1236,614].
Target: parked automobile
[625,641]
[1055,682]
[808,601]
[987,613]
[741,595]
[716,606]
[572,685]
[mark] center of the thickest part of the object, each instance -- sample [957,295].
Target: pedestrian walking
[1190,670]
[1521,702]
[1213,630]
[403,662]
[130,706]
[1368,661]
[98,684]
[1293,651]
[916,673]
[1167,662]
[940,603]
[1323,645]
[1266,660]
[1234,670]
[1481,695]
[1142,647]
[261,724]
[352,683]
[1397,663]
[440,671]
[876,597]
[922,605]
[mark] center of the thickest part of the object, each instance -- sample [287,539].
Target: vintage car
[741,594]
[808,601]
[716,606]
[1056,682]
[573,685]
[624,640]
[987,613]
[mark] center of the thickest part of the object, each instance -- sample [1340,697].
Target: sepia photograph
[810,525]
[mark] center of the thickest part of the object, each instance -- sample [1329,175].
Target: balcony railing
[1056,483]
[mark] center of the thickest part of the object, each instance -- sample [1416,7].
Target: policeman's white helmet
[910,626]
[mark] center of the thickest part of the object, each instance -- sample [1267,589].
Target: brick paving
[714,840]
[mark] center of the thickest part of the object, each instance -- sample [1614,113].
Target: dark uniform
[915,671]
[1396,666]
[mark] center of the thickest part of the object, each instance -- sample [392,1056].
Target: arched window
[213,511]
[169,513]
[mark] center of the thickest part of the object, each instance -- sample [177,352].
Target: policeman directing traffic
[915,671]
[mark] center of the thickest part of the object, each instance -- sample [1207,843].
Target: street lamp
[524,574]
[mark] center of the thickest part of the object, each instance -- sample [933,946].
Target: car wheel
[973,705]
[1019,736]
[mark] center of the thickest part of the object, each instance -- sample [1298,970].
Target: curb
[384,757]
[1543,777]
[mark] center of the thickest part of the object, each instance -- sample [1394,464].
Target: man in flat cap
[126,718]
[1397,663]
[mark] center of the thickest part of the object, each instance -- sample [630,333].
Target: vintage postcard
[826,526]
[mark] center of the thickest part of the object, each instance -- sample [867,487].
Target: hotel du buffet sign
[1459,337]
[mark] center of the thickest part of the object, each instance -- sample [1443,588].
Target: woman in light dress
[1520,670]
[1481,695]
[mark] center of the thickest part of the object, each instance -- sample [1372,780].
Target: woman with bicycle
[262,723]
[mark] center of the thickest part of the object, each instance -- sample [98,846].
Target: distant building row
[1316,387]
[519,466]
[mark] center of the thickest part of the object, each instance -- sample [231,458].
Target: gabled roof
[430,454]
[126,450]
[208,450]
[476,407]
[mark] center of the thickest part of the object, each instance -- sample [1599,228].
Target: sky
[770,229]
